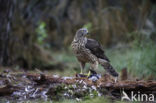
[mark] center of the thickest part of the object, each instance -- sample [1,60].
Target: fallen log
[104,83]
[54,87]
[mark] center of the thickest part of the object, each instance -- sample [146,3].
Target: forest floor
[24,86]
[60,82]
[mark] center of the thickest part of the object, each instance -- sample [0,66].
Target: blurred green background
[38,34]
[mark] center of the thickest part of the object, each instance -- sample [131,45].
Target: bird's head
[81,32]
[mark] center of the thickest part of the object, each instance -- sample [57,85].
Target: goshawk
[90,51]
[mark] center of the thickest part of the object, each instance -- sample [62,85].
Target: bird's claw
[81,73]
[89,73]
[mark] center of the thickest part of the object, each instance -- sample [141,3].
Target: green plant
[88,26]
[41,33]
[140,61]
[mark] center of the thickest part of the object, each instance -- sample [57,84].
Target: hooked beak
[86,33]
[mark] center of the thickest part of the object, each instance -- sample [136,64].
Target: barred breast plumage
[81,52]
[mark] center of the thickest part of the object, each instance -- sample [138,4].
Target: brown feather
[96,49]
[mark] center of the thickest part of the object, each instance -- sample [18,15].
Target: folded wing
[96,49]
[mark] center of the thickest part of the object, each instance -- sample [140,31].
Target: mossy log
[28,86]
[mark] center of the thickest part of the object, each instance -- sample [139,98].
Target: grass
[140,61]
[92,100]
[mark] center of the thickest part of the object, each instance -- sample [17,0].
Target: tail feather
[108,67]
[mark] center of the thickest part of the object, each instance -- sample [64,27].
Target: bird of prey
[90,51]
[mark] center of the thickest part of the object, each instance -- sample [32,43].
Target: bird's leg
[115,79]
[96,65]
[82,65]
[93,66]
[88,73]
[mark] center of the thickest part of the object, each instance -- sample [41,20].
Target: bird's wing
[96,48]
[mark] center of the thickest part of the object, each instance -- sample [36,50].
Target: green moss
[91,100]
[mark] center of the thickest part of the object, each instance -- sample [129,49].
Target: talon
[89,73]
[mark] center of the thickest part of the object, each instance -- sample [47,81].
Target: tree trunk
[6,11]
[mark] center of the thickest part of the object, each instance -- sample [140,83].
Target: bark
[32,86]
[6,11]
